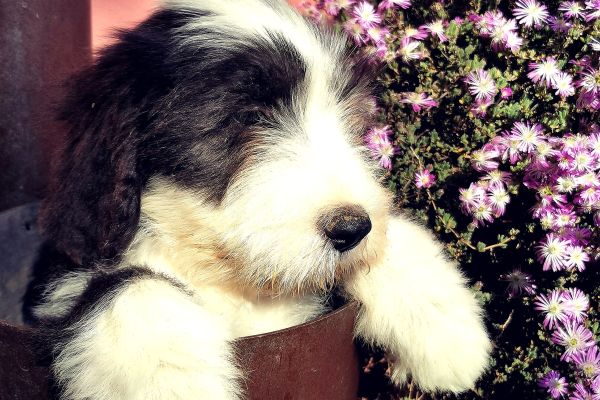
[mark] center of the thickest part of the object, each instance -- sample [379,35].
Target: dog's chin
[320,276]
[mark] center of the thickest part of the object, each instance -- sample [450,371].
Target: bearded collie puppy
[215,185]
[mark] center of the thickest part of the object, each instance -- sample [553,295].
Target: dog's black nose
[346,226]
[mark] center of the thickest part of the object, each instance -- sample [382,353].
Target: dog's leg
[416,305]
[136,335]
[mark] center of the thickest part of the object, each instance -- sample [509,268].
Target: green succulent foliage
[443,139]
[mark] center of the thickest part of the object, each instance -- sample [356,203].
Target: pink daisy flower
[527,135]
[576,304]
[575,337]
[553,307]
[498,198]
[576,258]
[389,4]
[419,33]
[409,50]
[471,197]
[481,85]
[480,107]
[366,15]
[436,28]
[355,31]
[581,393]
[552,251]
[588,361]
[544,72]
[485,159]
[496,179]
[418,101]
[384,153]
[530,13]
[424,179]
[571,9]
[378,136]
[563,83]
[592,8]
[555,384]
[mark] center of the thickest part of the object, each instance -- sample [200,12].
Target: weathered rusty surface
[42,42]
[21,378]
[314,361]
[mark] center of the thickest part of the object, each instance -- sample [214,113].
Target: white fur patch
[60,295]
[415,304]
[152,342]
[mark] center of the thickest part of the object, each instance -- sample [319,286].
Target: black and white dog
[215,185]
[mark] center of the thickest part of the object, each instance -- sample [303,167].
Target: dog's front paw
[449,355]
[416,305]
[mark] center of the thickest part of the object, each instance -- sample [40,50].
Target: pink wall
[110,14]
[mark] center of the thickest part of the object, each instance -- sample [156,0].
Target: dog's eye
[255,115]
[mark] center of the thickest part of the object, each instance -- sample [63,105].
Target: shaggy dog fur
[215,185]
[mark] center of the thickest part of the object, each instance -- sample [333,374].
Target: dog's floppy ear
[92,208]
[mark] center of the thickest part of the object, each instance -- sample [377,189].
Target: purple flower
[576,304]
[389,4]
[588,361]
[571,9]
[471,197]
[544,72]
[418,101]
[506,93]
[527,136]
[563,83]
[480,107]
[485,159]
[355,31]
[555,384]
[424,179]
[581,393]
[498,198]
[575,337]
[419,33]
[481,84]
[578,236]
[589,80]
[512,41]
[508,147]
[378,136]
[559,24]
[409,49]
[595,44]
[483,212]
[553,307]
[365,15]
[592,8]
[576,258]
[518,283]
[384,153]
[377,34]
[436,28]
[552,251]
[530,13]
[496,179]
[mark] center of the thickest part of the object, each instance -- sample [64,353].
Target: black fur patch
[154,106]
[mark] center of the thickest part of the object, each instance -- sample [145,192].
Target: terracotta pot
[313,361]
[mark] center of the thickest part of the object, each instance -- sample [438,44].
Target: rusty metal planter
[313,361]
